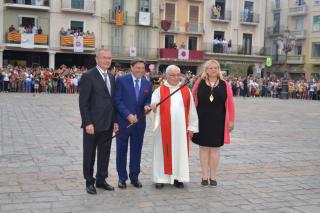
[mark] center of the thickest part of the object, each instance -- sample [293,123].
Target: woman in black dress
[214,101]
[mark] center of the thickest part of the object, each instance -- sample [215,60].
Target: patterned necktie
[107,81]
[136,89]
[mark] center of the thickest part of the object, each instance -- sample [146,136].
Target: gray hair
[172,66]
[101,50]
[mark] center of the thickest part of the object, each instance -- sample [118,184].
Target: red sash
[165,119]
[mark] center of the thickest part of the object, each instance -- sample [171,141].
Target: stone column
[1,57]
[52,59]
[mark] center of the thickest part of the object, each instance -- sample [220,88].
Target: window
[248,11]
[116,41]
[144,6]
[192,44]
[117,5]
[76,25]
[27,21]
[142,42]
[170,14]
[316,24]
[193,18]
[169,41]
[299,23]
[247,43]
[218,38]
[277,4]
[276,21]
[77,4]
[316,50]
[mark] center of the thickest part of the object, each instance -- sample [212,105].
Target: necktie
[107,81]
[136,89]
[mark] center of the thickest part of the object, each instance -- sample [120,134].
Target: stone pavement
[272,165]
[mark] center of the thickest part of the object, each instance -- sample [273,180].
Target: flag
[27,40]
[183,54]
[119,18]
[39,2]
[78,44]
[144,18]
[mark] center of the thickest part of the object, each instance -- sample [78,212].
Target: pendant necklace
[211,97]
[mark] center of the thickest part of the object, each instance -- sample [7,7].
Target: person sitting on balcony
[39,30]
[62,32]
[34,30]
[12,28]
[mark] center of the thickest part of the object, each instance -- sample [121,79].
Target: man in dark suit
[132,98]
[97,87]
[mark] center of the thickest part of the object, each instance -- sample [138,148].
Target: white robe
[180,160]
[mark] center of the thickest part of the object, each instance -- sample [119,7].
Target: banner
[78,44]
[183,54]
[27,40]
[39,2]
[144,18]
[119,18]
[133,52]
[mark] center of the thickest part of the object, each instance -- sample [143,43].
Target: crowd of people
[66,80]
[75,32]
[26,29]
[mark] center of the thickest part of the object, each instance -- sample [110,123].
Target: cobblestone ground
[272,165]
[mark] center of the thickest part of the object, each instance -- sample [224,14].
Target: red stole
[165,120]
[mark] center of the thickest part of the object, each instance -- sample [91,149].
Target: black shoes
[178,184]
[105,186]
[213,183]
[91,189]
[122,184]
[204,182]
[136,184]
[159,185]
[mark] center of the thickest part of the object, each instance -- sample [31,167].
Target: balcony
[275,31]
[88,6]
[89,42]
[194,55]
[144,19]
[298,10]
[223,49]
[224,18]
[194,28]
[301,34]
[14,40]
[118,17]
[170,26]
[28,4]
[124,52]
[295,59]
[249,18]
[278,59]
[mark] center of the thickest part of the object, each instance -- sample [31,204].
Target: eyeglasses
[175,75]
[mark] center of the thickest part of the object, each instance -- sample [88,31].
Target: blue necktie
[136,89]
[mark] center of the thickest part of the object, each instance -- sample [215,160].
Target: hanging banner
[119,18]
[133,52]
[78,44]
[39,2]
[27,40]
[144,18]
[183,54]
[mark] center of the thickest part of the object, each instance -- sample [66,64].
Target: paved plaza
[272,164]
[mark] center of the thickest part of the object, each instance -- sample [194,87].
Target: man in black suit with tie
[97,113]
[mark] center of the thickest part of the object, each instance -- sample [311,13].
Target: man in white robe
[174,123]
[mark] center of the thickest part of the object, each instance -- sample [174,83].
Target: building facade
[234,34]
[293,35]
[181,34]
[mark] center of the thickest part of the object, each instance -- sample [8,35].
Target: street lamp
[287,47]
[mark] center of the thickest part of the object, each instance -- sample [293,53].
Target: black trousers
[100,142]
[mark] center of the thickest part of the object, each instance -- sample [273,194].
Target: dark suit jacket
[95,102]
[125,99]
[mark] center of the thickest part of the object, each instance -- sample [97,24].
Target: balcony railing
[89,42]
[170,26]
[118,17]
[278,59]
[33,4]
[295,59]
[249,18]
[15,38]
[234,49]
[301,34]
[298,10]
[224,17]
[144,19]
[124,52]
[171,53]
[194,27]
[276,31]
[88,6]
